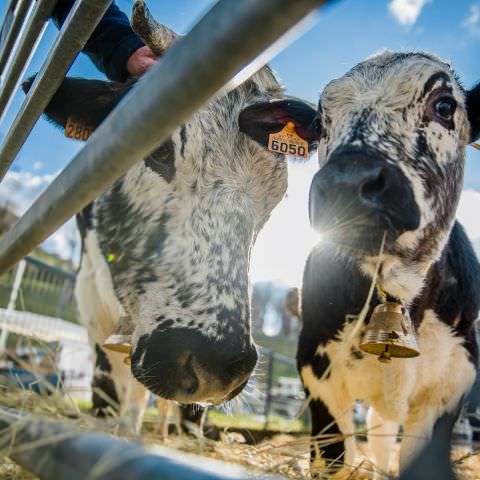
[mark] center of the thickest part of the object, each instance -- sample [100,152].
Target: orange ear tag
[288,142]
[77,131]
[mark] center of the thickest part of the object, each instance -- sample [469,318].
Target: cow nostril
[374,186]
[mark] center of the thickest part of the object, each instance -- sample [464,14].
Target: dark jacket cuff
[115,65]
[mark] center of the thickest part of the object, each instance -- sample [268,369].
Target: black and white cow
[168,244]
[392,134]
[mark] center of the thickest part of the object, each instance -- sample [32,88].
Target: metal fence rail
[78,27]
[55,450]
[14,18]
[201,63]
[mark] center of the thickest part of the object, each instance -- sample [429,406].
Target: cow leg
[132,394]
[116,392]
[168,413]
[105,401]
[163,421]
[382,436]
[193,419]
[417,431]
[333,443]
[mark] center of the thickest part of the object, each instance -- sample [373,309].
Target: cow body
[410,392]
[201,227]
[392,134]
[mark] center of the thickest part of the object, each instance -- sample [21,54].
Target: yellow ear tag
[288,142]
[77,131]
[475,145]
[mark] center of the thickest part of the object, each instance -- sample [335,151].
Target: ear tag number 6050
[288,142]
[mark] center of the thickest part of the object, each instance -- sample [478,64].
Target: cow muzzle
[358,196]
[188,367]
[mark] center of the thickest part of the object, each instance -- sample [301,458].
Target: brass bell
[121,341]
[390,333]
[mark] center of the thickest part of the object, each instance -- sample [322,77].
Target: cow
[167,246]
[391,136]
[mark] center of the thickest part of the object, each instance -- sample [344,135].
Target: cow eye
[445,108]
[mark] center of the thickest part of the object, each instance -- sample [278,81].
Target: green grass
[280,424]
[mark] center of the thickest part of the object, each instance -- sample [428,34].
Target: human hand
[140,61]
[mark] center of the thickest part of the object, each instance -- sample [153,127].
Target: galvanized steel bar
[19,18]
[26,46]
[201,63]
[76,31]
[8,10]
[7,20]
[55,450]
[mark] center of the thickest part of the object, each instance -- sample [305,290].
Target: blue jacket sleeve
[112,42]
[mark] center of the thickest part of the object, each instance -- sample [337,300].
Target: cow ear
[473,112]
[259,120]
[87,102]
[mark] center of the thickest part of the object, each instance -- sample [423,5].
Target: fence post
[13,300]
[268,400]
[63,299]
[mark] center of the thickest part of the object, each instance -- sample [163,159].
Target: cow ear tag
[121,339]
[288,142]
[76,130]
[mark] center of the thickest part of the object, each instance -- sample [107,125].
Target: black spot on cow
[436,77]
[84,223]
[323,424]
[183,140]
[102,361]
[85,220]
[193,188]
[117,229]
[105,401]
[156,240]
[162,161]
[356,354]
[320,363]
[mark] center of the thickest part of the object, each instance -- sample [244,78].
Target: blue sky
[344,34]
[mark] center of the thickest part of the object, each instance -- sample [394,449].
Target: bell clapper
[385,356]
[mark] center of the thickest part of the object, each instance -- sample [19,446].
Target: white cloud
[18,190]
[37,165]
[406,11]
[467,213]
[472,22]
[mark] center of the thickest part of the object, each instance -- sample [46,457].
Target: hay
[284,454]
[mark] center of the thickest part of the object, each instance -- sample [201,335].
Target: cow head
[392,134]
[178,227]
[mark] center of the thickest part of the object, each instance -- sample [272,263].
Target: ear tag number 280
[288,142]
[76,130]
